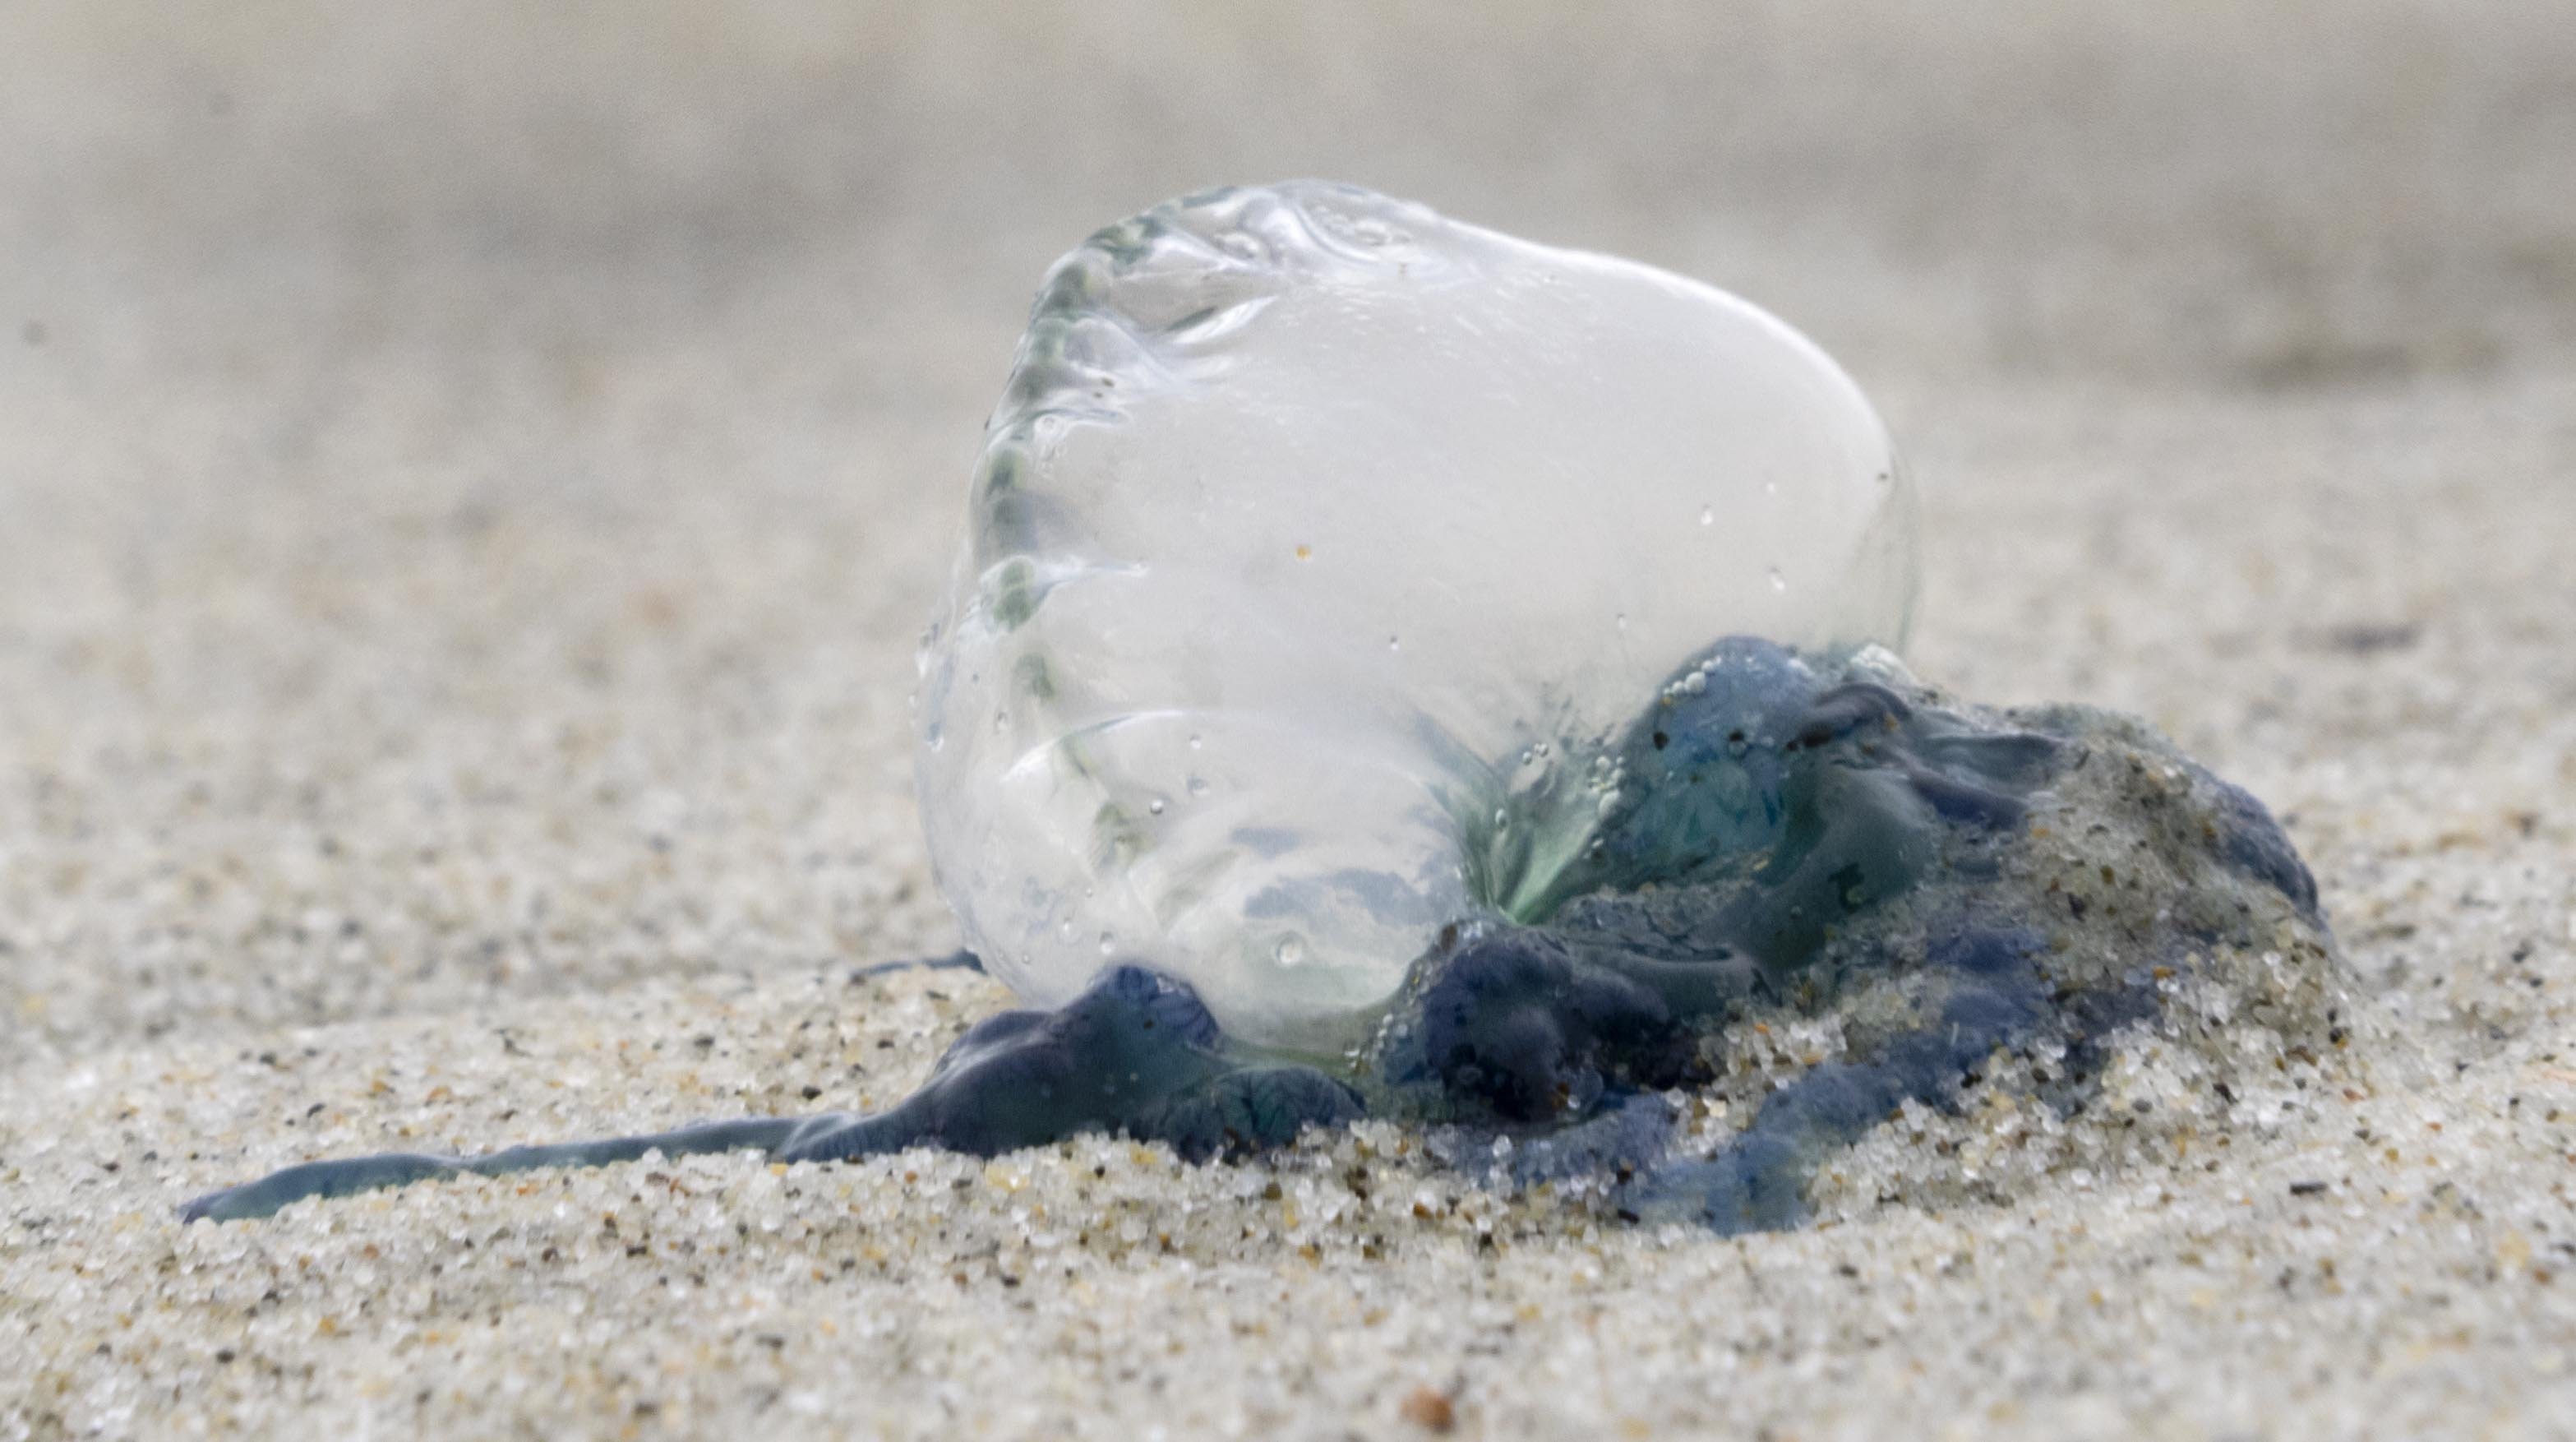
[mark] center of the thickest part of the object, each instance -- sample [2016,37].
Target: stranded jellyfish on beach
[1399,669]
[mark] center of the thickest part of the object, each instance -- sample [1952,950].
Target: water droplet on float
[1291,950]
[1155,806]
[1121,597]
[1108,943]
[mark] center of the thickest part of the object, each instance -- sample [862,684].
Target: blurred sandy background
[471,475]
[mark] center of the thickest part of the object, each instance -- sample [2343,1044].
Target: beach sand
[470,484]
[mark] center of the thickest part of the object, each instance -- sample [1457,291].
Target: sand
[470,483]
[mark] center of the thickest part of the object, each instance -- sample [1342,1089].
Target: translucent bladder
[1320,550]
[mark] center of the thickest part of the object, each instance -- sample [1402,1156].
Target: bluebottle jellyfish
[1398,669]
